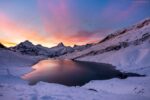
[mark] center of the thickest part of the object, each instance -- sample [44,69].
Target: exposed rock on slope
[2,46]
[82,47]
[126,48]
[27,48]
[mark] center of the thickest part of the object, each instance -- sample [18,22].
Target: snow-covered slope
[13,59]
[99,90]
[128,48]
[27,48]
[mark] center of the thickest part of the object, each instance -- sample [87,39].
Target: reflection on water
[68,72]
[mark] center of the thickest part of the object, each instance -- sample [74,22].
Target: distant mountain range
[134,35]
[27,48]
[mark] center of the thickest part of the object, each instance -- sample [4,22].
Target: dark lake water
[70,73]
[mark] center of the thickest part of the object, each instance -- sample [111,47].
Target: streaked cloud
[49,22]
[12,31]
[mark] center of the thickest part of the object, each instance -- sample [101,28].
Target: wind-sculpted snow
[114,89]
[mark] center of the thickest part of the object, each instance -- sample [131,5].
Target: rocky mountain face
[2,46]
[27,48]
[82,47]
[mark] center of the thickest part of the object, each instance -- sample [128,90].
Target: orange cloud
[12,31]
[75,39]
[7,43]
[58,22]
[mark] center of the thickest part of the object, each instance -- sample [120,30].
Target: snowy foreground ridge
[128,49]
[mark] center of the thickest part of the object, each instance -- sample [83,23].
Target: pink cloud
[59,13]
[58,22]
[11,31]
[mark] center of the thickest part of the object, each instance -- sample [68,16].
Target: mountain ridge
[130,35]
[115,41]
[28,48]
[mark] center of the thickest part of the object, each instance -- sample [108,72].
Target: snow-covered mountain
[27,48]
[127,48]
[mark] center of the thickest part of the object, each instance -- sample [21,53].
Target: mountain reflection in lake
[68,72]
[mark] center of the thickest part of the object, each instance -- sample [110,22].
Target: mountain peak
[60,44]
[27,43]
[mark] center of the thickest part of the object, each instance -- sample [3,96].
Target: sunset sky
[49,22]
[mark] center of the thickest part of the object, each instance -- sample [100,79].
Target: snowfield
[114,89]
[13,63]
[9,58]
[133,58]
[128,50]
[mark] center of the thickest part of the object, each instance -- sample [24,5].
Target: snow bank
[13,87]
[106,90]
[12,63]
[133,86]
[13,59]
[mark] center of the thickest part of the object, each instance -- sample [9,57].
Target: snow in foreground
[114,89]
[14,88]
[133,59]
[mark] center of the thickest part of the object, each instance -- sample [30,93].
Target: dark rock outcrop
[2,46]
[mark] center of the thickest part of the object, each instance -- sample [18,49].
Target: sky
[49,22]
